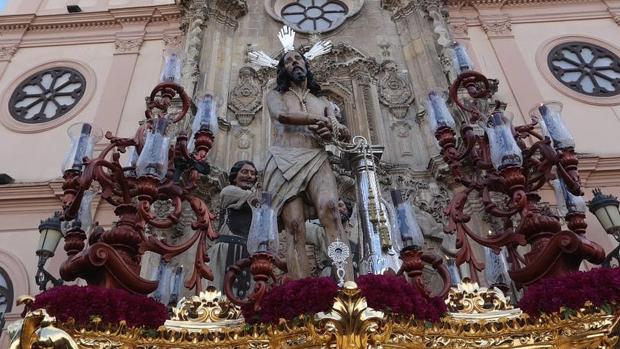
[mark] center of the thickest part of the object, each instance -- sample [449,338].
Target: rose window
[314,15]
[47,95]
[586,68]
[6,296]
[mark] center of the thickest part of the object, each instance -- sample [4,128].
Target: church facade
[68,61]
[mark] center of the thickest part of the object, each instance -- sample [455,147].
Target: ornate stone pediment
[343,60]
[245,99]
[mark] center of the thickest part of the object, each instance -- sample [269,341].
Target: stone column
[215,65]
[422,31]
[498,28]
[116,85]
[12,34]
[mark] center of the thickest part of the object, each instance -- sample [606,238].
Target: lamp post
[49,237]
[605,208]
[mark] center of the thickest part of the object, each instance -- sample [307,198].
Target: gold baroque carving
[351,324]
[469,298]
[209,306]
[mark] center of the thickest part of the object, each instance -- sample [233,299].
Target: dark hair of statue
[234,171]
[350,206]
[283,80]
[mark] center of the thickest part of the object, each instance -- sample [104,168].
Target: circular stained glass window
[586,68]
[6,296]
[314,15]
[47,95]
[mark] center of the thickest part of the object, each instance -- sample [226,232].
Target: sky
[3,4]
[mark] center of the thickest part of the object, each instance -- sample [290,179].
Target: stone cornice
[110,18]
[594,171]
[502,3]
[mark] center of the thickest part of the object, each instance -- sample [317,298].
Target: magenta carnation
[313,295]
[599,286]
[394,294]
[294,298]
[111,305]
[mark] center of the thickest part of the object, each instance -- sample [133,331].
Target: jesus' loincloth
[288,172]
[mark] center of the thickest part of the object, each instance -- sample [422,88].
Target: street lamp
[49,237]
[605,208]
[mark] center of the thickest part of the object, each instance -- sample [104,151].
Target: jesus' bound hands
[322,126]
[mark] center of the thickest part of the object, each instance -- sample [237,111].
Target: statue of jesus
[297,172]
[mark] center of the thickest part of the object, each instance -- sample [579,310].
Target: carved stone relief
[430,197]
[6,52]
[245,99]
[123,46]
[497,26]
[402,130]
[394,89]
[244,140]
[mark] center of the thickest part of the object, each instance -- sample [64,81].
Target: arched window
[6,296]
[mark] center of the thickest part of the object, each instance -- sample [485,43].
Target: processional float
[499,163]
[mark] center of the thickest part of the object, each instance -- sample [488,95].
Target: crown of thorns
[287,38]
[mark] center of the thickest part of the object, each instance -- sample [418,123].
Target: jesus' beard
[298,75]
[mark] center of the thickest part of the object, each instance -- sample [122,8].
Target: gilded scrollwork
[208,306]
[473,322]
[469,298]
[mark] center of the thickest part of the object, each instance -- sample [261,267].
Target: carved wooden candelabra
[162,172]
[506,166]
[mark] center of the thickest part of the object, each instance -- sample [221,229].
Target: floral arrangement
[111,305]
[600,286]
[313,295]
[393,294]
[292,299]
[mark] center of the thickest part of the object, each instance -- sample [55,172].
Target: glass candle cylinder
[173,61]
[438,113]
[153,160]
[83,137]
[84,218]
[461,60]
[130,162]
[410,231]
[574,203]
[496,268]
[549,115]
[263,235]
[206,115]
[504,149]
[453,270]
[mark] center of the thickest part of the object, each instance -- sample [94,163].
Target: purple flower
[599,286]
[111,305]
[313,295]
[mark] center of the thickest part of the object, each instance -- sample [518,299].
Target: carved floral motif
[6,52]
[497,27]
[128,45]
